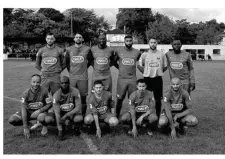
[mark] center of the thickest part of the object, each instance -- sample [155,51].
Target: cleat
[35,126]
[149,133]
[44,131]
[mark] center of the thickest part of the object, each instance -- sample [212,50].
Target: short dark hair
[49,33]
[141,81]
[37,75]
[128,36]
[153,37]
[98,82]
[78,33]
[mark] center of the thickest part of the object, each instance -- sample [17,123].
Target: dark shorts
[156,86]
[51,82]
[124,86]
[81,85]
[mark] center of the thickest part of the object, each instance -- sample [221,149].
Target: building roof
[222,34]
[115,31]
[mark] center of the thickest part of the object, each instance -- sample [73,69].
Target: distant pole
[71,18]
[124,29]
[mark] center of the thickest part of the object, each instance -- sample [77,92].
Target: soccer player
[142,108]
[177,109]
[67,107]
[126,83]
[103,60]
[152,64]
[180,65]
[76,60]
[35,104]
[100,108]
[50,62]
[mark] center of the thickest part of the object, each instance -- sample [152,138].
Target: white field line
[86,139]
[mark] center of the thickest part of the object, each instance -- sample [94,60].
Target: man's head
[141,85]
[50,39]
[98,87]
[176,46]
[35,81]
[78,38]
[128,39]
[102,40]
[175,83]
[65,83]
[152,43]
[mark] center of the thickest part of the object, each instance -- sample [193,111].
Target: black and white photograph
[113,80]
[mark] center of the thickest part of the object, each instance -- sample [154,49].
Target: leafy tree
[52,14]
[163,29]
[135,20]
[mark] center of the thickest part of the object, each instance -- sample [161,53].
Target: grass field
[206,138]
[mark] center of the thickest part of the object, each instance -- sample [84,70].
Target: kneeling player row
[37,105]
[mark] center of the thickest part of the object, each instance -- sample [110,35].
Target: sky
[193,15]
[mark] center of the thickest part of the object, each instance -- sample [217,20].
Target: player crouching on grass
[101,107]
[67,107]
[142,108]
[177,109]
[35,104]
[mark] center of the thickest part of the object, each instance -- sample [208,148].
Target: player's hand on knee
[98,133]
[60,135]
[26,133]
[134,132]
[139,121]
[192,86]
[173,134]
[35,114]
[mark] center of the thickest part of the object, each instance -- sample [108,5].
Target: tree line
[140,22]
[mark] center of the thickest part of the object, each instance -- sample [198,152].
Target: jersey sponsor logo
[77,59]
[176,107]
[154,64]
[176,65]
[128,61]
[67,107]
[50,60]
[102,110]
[102,60]
[142,108]
[35,105]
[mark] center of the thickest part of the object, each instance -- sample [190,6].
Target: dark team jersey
[127,62]
[67,101]
[177,100]
[141,102]
[180,65]
[77,60]
[102,62]
[35,100]
[101,106]
[51,59]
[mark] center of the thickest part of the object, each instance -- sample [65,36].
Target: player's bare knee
[152,118]
[163,121]
[192,121]
[125,118]
[49,120]
[113,121]
[88,119]
[41,118]
[78,119]
[14,120]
